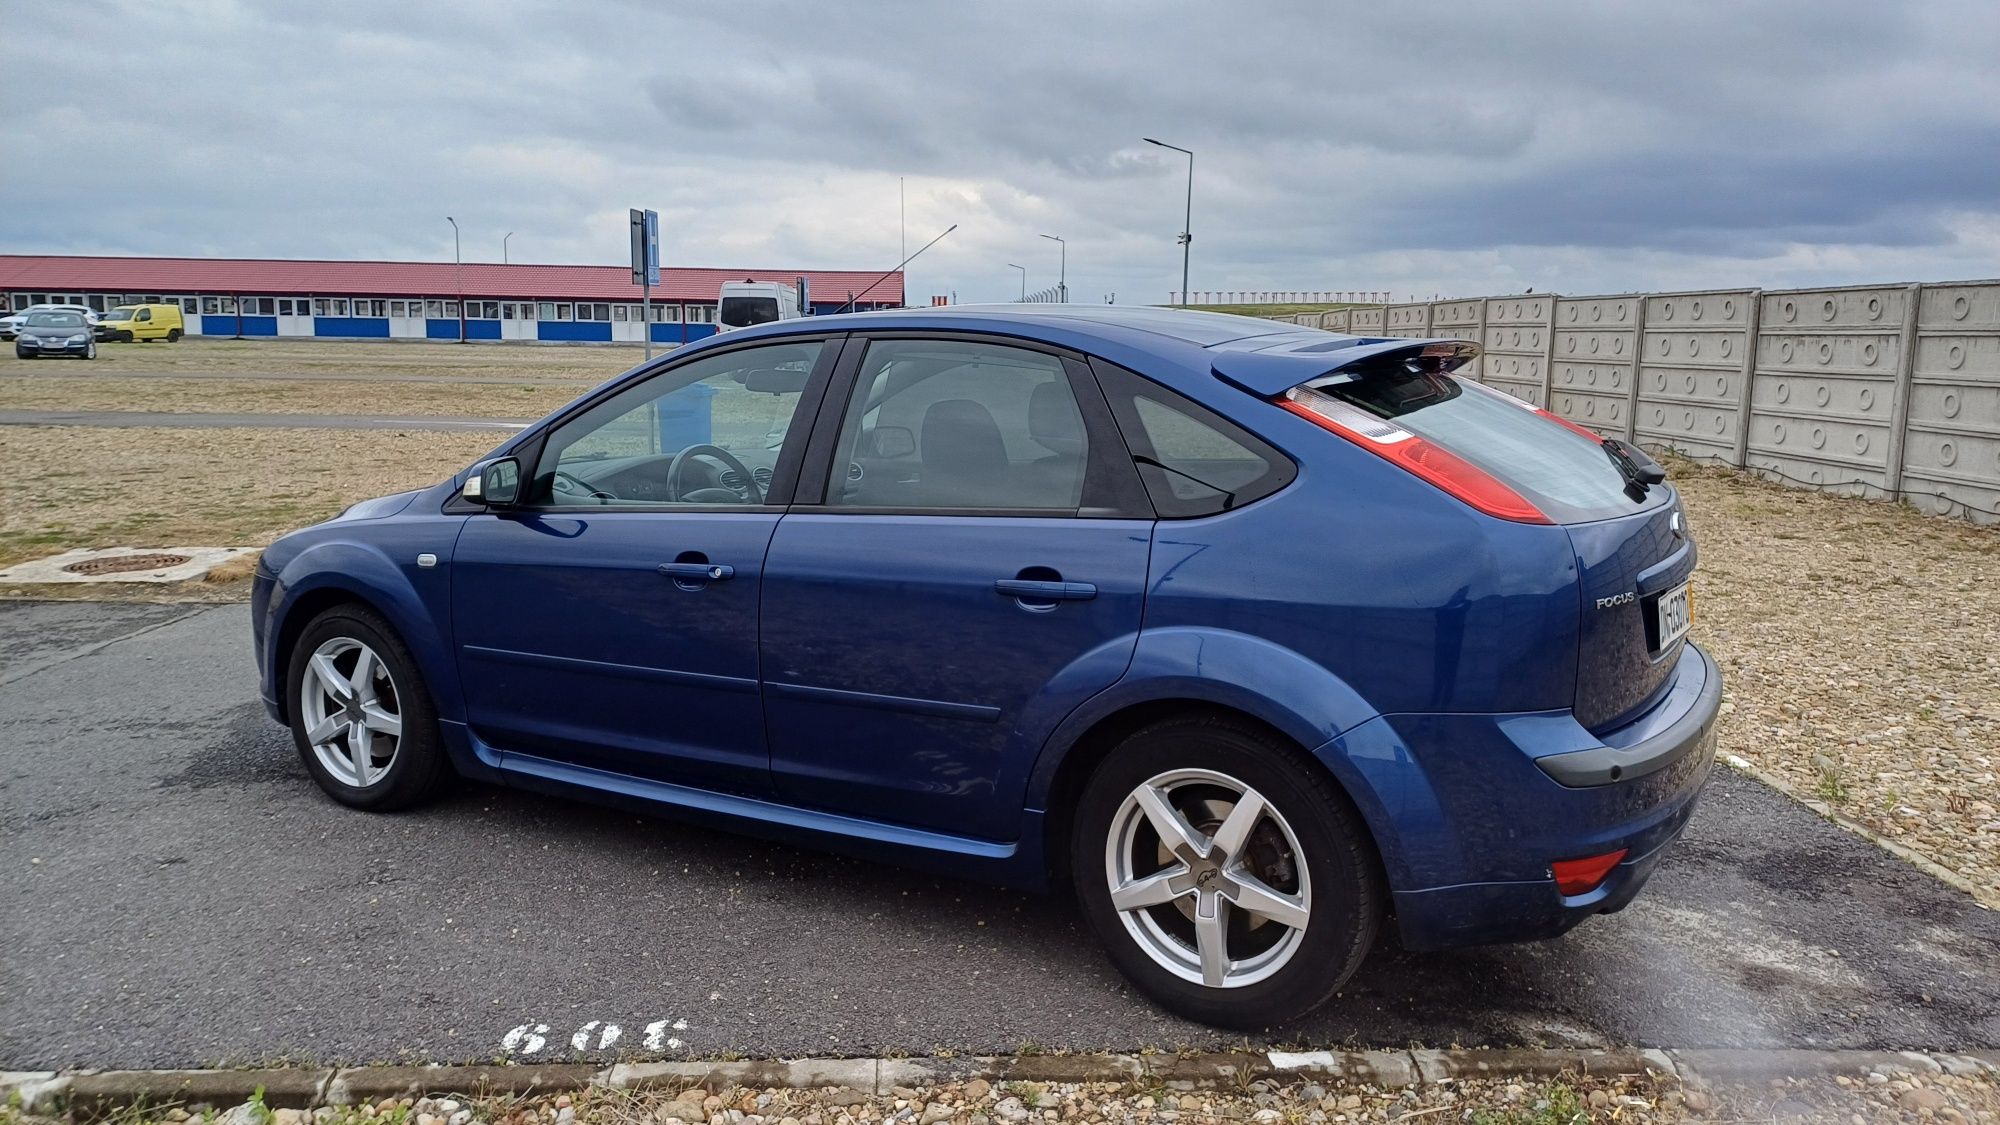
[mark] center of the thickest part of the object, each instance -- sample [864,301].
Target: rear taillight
[1428,460]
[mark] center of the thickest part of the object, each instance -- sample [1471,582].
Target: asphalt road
[177,893]
[258,421]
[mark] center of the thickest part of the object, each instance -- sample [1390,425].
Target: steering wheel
[581,485]
[713,453]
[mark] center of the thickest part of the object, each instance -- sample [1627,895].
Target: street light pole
[1024,278]
[1062,270]
[1187,224]
[503,248]
[458,276]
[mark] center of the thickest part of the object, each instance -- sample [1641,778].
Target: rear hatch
[1512,460]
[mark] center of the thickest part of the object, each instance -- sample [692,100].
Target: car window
[1193,461]
[56,320]
[960,425]
[709,432]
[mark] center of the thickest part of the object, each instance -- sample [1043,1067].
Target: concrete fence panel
[1365,321]
[1951,445]
[1335,321]
[1461,320]
[1594,377]
[1830,375]
[1518,333]
[1407,320]
[1694,373]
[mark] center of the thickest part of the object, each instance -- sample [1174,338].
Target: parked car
[10,326]
[1256,636]
[54,332]
[144,323]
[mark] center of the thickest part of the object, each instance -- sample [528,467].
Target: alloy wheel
[1208,878]
[353,715]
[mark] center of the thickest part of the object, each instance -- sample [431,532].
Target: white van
[744,303]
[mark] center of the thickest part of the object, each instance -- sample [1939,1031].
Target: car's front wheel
[1225,873]
[362,717]
[90,350]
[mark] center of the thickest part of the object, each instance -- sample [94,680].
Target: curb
[89,1093]
[1828,812]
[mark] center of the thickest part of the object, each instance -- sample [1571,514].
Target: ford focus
[1267,643]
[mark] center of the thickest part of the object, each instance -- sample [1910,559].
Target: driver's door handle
[699,572]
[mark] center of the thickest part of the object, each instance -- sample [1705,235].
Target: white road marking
[526,1039]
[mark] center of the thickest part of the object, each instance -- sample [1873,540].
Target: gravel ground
[1861,644]
[1570,1099]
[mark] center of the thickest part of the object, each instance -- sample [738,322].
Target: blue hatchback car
[1259,637]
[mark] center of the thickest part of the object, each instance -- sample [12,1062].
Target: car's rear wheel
[1226,874]
[362,716]
[173,335]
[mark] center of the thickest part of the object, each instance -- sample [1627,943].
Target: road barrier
[1877,390]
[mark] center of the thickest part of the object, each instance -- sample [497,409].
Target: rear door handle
[698,571]
[1045,591]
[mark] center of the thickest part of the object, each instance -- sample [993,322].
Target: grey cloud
[1412,146]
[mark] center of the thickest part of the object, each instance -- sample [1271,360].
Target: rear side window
[1193,461]
[1566,475]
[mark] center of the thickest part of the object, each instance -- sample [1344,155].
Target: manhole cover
[123,564]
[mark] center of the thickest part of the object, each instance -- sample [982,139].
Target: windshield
[1568,476]
[119,314]
[55,320]
[742,312]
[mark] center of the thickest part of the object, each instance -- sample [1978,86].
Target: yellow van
[142,323]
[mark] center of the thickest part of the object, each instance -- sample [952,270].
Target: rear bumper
[1484,804]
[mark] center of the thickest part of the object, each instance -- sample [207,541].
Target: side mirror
[496,484]
[891,442]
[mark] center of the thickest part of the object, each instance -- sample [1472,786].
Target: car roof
[1265,357]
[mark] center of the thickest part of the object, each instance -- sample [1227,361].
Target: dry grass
[1861,645]
[249,395]
[356,357]
[82,487]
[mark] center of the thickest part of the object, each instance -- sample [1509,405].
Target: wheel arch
[337,573]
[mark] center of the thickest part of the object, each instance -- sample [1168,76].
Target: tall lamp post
[503,248]
[1062,270]
[458,276]
[1187,224]
[1024,278]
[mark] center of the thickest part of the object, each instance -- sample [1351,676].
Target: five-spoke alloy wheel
[361,713]
[1225,872]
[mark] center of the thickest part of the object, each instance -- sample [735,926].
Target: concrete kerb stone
[286,1088]
[373,1083]
[88,1093]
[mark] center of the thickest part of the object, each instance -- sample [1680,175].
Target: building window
[618,312]
[399,309]
[261,306]
[562,311]
[211,305]
[489,310]
[546,310]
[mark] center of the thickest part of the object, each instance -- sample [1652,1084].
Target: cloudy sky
[1419,148]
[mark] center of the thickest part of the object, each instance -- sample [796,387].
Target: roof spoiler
[1273,371]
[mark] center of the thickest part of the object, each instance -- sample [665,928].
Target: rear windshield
[1569,477]
[742,312]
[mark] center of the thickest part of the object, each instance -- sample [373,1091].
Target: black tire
[123,337]
[90,350]
[173,335]
[1348,898]
[420,766]
[22,353]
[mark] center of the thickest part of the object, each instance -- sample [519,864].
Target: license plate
[1674,613]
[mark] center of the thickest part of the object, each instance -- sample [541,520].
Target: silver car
[55,332]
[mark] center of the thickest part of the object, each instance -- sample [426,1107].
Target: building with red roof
[417,300]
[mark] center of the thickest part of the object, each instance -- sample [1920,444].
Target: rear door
[969,566]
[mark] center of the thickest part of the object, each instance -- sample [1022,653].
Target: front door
[611,621]
[976,569]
